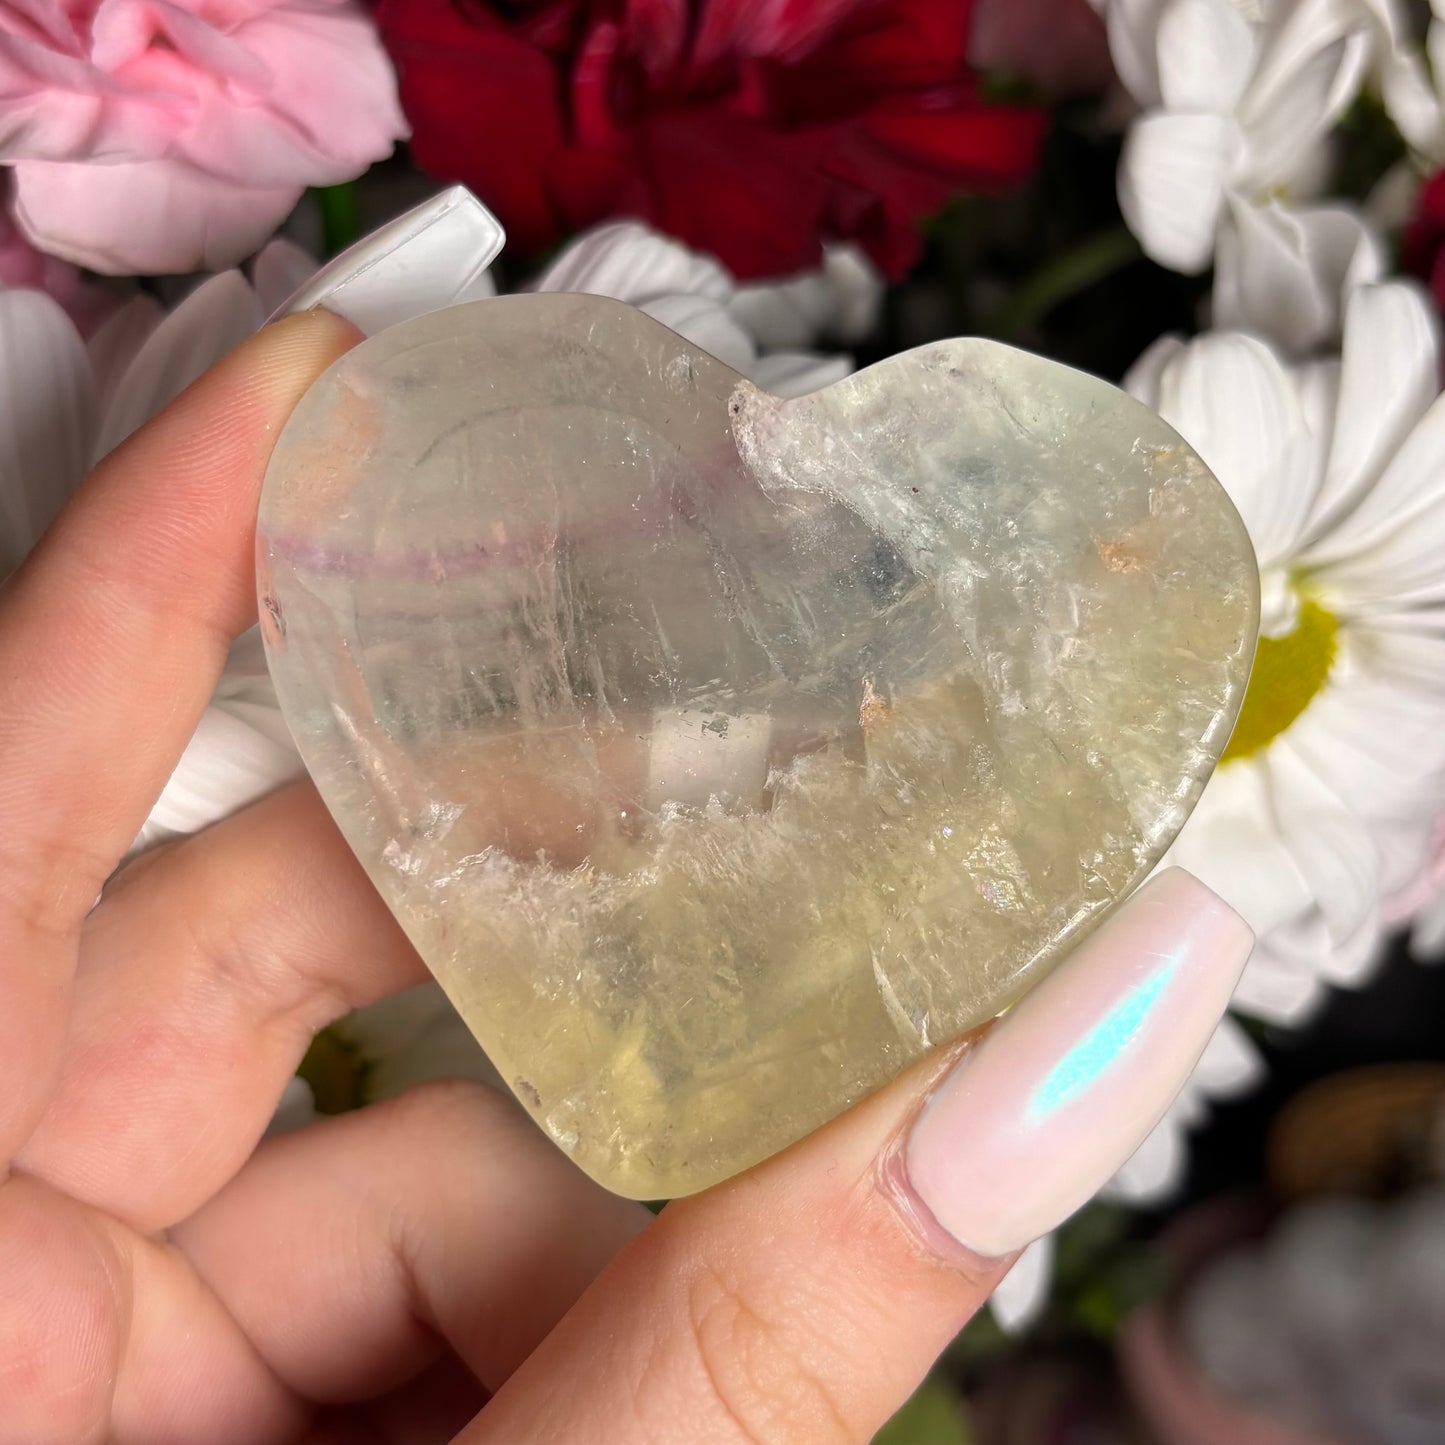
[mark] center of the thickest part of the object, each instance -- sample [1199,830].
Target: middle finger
[205,972]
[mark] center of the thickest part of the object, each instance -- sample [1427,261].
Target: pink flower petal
[331,110]
[144,217]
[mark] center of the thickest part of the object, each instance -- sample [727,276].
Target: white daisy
[741,326]
[1326,802]
[1237,103]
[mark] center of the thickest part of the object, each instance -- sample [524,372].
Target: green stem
[340,216]
[1079,269]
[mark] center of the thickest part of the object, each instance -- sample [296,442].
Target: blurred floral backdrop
[1234,209]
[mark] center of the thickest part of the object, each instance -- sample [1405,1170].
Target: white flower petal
[279,272]
[1391,200]
[1133,27]
[1379,742]
[1427,931]
[414,1036]
[1019,1298]
[631,262]
[840,301]
[1190,1108]
[47,400]
[1231,1064]
[1434,41]
[1389,375]
[1207,54]
[1172,177]
[1410,664]
[855,287]
[1231,400]
[1279,602]
[1282,275]
[1410,99]
[1308,949]
[226,765]
[1297,34]
[1412,867]
[217,315]
[261,717]
[1145,379]
[707,325]
[783,313]
[1231,842]
[1313,65]
[1404,82]
[116,343]
[246,675]
[790,374]
[1353,960]
[1281,984]
[1156,1168]
[1317,385]
[1333,851]
[1388,552]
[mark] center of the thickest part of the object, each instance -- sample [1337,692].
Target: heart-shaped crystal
[722,754]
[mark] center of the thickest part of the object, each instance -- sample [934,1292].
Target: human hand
[432,1265]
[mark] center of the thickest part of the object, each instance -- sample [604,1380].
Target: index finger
[804,1300]
[112,635]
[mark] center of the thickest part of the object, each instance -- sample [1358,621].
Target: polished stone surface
[723,754]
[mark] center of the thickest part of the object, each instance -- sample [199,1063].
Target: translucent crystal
[722,754]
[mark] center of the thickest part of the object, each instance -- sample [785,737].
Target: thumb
[804,1300]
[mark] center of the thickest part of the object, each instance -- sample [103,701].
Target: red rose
[750,130]
[1422,242]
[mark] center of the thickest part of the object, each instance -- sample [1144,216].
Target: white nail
[435,255]
[1035,1118]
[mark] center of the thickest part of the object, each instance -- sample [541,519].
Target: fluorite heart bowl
[723,754]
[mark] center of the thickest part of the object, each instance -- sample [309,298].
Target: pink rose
[149,136]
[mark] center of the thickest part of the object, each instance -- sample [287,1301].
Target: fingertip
[293,351]
[1060,1093]
[1179,890]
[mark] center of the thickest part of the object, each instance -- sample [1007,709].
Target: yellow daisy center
[1288,672]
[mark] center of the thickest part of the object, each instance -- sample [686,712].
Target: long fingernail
[1063,1089]
[435,255]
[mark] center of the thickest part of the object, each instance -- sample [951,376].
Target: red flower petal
[484,110]
[658,30]
[727,185]
[754,135]
[1423,237]
[978,147]
[902,43]
[784,30]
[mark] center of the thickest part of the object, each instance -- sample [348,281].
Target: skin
[424,1269]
